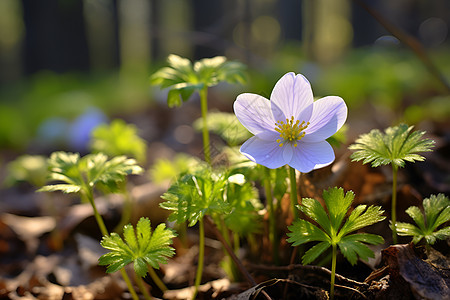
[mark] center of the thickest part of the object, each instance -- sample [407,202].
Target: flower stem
[201,255]
[204,109]
[333,271]
[294,197]
[394,204]
[156,279]
[272,218]
[104,231]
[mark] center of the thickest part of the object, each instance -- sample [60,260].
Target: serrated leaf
[84,173]
[145,248]
[313,209]
[330,234]
[195,195]
[183,79]
[65,188]
[337,204]
[395,146]
[360,218]
[303,231]
[315,252]
[436,212]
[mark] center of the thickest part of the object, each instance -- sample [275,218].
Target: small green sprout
[192,197]
[396,146]
[27,168]
[184,79]
[118,138]
[331,232]
[142,247]
[436,213]
[82,174]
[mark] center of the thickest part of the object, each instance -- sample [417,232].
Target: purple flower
[291,128]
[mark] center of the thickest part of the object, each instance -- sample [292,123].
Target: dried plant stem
[394,204]
[204,109]
[104,231]
[294,197]
[201,256]
[272,217]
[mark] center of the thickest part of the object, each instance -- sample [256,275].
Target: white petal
[328,116]
[311,156]
[266,153]
[292,96]
[254,112]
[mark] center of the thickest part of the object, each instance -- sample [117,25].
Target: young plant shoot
[81,175]
[436,213]
[329,230]
[142,247]
[395,146]
[184,79]
[290,129]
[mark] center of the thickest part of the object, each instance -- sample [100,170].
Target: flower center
[290,131]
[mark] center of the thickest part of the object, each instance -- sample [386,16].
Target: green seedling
[27,168]
[331,232]
[142,247]
[396,146]
[184,78]
[118,138]
[436,213]
[81,174]
[192,197]
[115,139]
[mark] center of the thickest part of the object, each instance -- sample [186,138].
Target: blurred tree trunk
[100,17]
[327,30]
[11,38]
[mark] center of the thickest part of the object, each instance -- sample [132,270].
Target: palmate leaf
[118,138]
[184,79]
[141,247]
[330,232]
[78,174]
[242,197]
[395,146]
[436,213]
[195,195]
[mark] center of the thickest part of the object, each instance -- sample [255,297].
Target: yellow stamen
[290,131]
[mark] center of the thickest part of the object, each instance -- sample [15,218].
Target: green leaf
[27,168]
[78,174]
[118,138]
[303,231]
[436,213]
[141,247]
[397,145]
[337,204]
[360,218]
[314,252]
[330,233]
[226,125]
[195,195]
[169,169]
[242,197]
[313,209]
[183,79]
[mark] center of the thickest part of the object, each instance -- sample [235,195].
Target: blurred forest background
[68,65]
